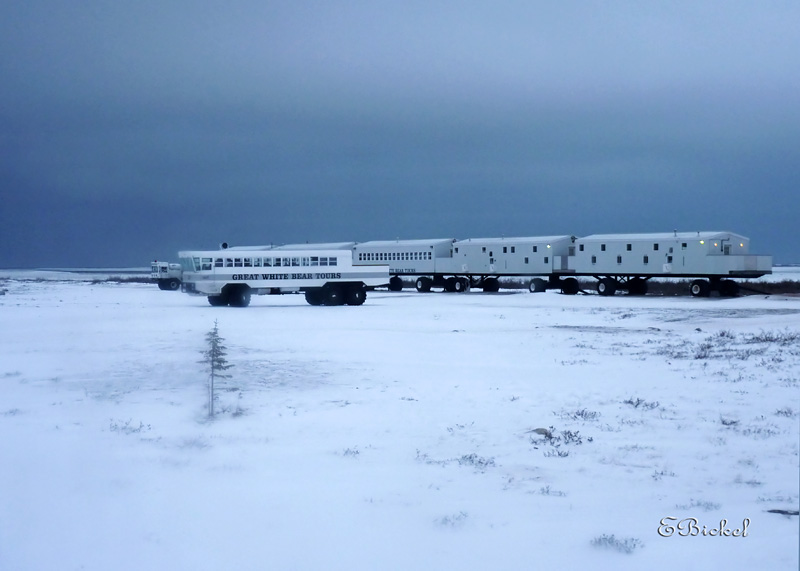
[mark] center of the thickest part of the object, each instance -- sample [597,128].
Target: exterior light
[548,245]
[702,241]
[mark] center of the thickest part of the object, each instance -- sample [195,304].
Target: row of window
[506,250]
[205,264]
[394,256]
[629,247]
[645,259]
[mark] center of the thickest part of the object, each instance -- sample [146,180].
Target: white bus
[326,277]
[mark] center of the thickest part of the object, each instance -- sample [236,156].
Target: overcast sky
[130,130]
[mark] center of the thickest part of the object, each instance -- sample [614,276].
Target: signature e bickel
[690,527]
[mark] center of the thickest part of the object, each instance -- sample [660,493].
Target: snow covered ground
[439,431]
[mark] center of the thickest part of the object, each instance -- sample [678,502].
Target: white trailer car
[167,275]
[484,259]
[627,261]
[327,277]
[406,258]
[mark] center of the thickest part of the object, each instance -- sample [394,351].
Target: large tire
[162,285]
[395,284]
[217,300]
[607,286]
[637,286]
[239,297]
[491,285]
[314,296]
[332,294]
[173,284]
[537,285]
[450,285]
[570,286]
[355,294]
[424,284]
[700,288]
[728,288]
[457,285]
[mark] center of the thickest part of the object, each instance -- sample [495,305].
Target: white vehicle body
[539,255]
[167,275]
[677,254]
[627,261]
[405,257]
[231,276]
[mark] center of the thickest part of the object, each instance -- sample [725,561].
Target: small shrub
[705,506]
[581,414]
[476,461]
[546,491]
[627,545]
[455,520]
[645,405]
[127,426]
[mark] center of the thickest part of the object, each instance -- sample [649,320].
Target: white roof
[519,240]
[318,246]
[416,243]
[230,253]
[705,235]
[247,248]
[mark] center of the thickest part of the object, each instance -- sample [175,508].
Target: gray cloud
[129,131]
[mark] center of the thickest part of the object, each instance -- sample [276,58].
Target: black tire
[450,285]
[637,286]
[424,285]
[491,285]
[466,285]
[217,300]
[607,286]
[395,284]
[239,297]
[728,288]
[537,285]
[459,285]
[173,284]
[700,288]
[356,294]
[570,286]
[314,296]
[332,294]
[162,285]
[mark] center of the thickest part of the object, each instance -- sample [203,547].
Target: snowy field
[439,431]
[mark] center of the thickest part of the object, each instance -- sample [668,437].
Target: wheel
[355,295]
[466,285]
[637,286]
[491,285]
[395,284]
[173,284]
[570,286]
[460,285]
[314,296]
[450,285]
[332,295]
[424,285]
[607,286]
[700,288]
[162,285]
[217,300]
[239,297]
[537,285]
[728,288]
